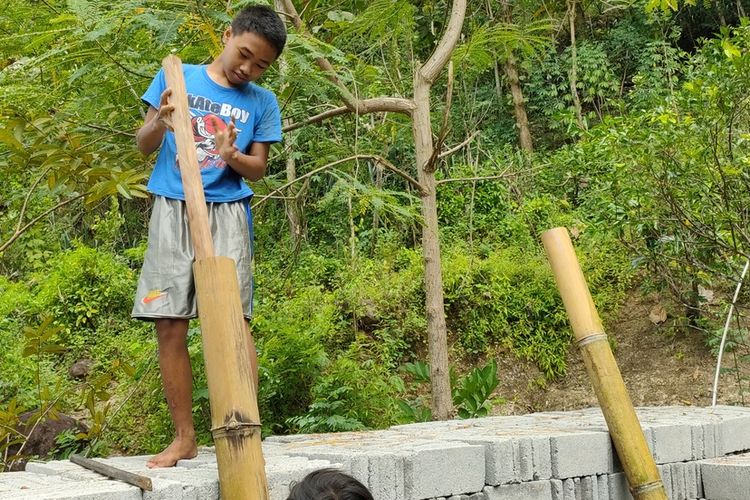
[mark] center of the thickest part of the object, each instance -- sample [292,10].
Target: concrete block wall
[541,456]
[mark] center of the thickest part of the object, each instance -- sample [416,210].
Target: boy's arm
[252,165]
[157,122]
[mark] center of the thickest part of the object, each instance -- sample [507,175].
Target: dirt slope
[661,365]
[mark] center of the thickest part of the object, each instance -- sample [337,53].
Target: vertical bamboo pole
[624,428]
[235,421]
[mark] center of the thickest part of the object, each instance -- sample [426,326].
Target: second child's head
[252,43]
[329,484]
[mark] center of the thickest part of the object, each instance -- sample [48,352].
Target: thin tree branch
[352,103]
[28,197]
[322,62]
[411,180]
[459,146]
[431,69]
[481,178]
[445,126]
[364,106]
[36,219]
[114,131]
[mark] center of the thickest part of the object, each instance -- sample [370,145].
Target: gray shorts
[165,287]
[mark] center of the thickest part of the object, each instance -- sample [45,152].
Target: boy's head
[329,484]
[252,43]
[262,21]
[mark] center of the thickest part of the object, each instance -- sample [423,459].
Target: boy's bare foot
[180,448]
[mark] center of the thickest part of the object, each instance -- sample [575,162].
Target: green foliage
[658,182]
[291,355]
[78,287]
[350,395]
[508,300]
[471,393]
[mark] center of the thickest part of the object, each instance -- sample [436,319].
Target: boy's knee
[171,329]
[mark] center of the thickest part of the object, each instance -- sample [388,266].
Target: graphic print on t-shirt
[206,122]
[204,134]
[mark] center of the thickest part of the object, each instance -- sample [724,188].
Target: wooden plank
[192,184]
[142,482]
[235,421]
[622,421]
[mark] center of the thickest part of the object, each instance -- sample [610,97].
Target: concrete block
[588,488]
[666,478]
[197,484]
[671,443]
[726,478]
[354,462]
[702,441]
[692,480]
[26,480]
[386,475]
[556,486]
[733,434]
[532,490]
[76,490]
[164,489]
[511,455]
[569,489]
[679,486]
[581,454]
[618,487]
[203,459]
[135,464]
[54,467]
[443,469]
[499,460]
[602,485]
[523,460]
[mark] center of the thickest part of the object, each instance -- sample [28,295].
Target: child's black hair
[329,484]
[263,21]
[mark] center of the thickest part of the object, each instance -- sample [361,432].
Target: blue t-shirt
[211,107]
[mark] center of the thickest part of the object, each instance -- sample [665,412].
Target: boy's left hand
[225,142]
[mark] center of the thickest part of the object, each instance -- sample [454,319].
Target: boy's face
[245,57]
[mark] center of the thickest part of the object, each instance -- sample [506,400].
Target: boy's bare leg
[177,378]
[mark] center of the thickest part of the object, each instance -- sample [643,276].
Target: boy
[234,121]
[329,484]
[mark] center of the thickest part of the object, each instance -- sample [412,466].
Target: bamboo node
[234,426]
[646,487]
[589,339]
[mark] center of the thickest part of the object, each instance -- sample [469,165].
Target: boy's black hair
[329,484]
[264,21]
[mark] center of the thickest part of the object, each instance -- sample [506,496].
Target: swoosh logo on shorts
[153,295]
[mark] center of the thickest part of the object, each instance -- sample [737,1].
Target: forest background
[625,121]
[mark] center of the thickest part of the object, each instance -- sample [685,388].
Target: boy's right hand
[164,115]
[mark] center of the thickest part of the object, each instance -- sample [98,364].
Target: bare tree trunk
[519,105]
[720,12]
[442,405]
[419,110]
[291,207]
[511,72]
[573,64]
[375,212]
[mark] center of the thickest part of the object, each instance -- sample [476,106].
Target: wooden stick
[624,428]
[143,482]
[235,420]
[188,160]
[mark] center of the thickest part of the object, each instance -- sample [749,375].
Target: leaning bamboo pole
[235,421]
[624,428]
